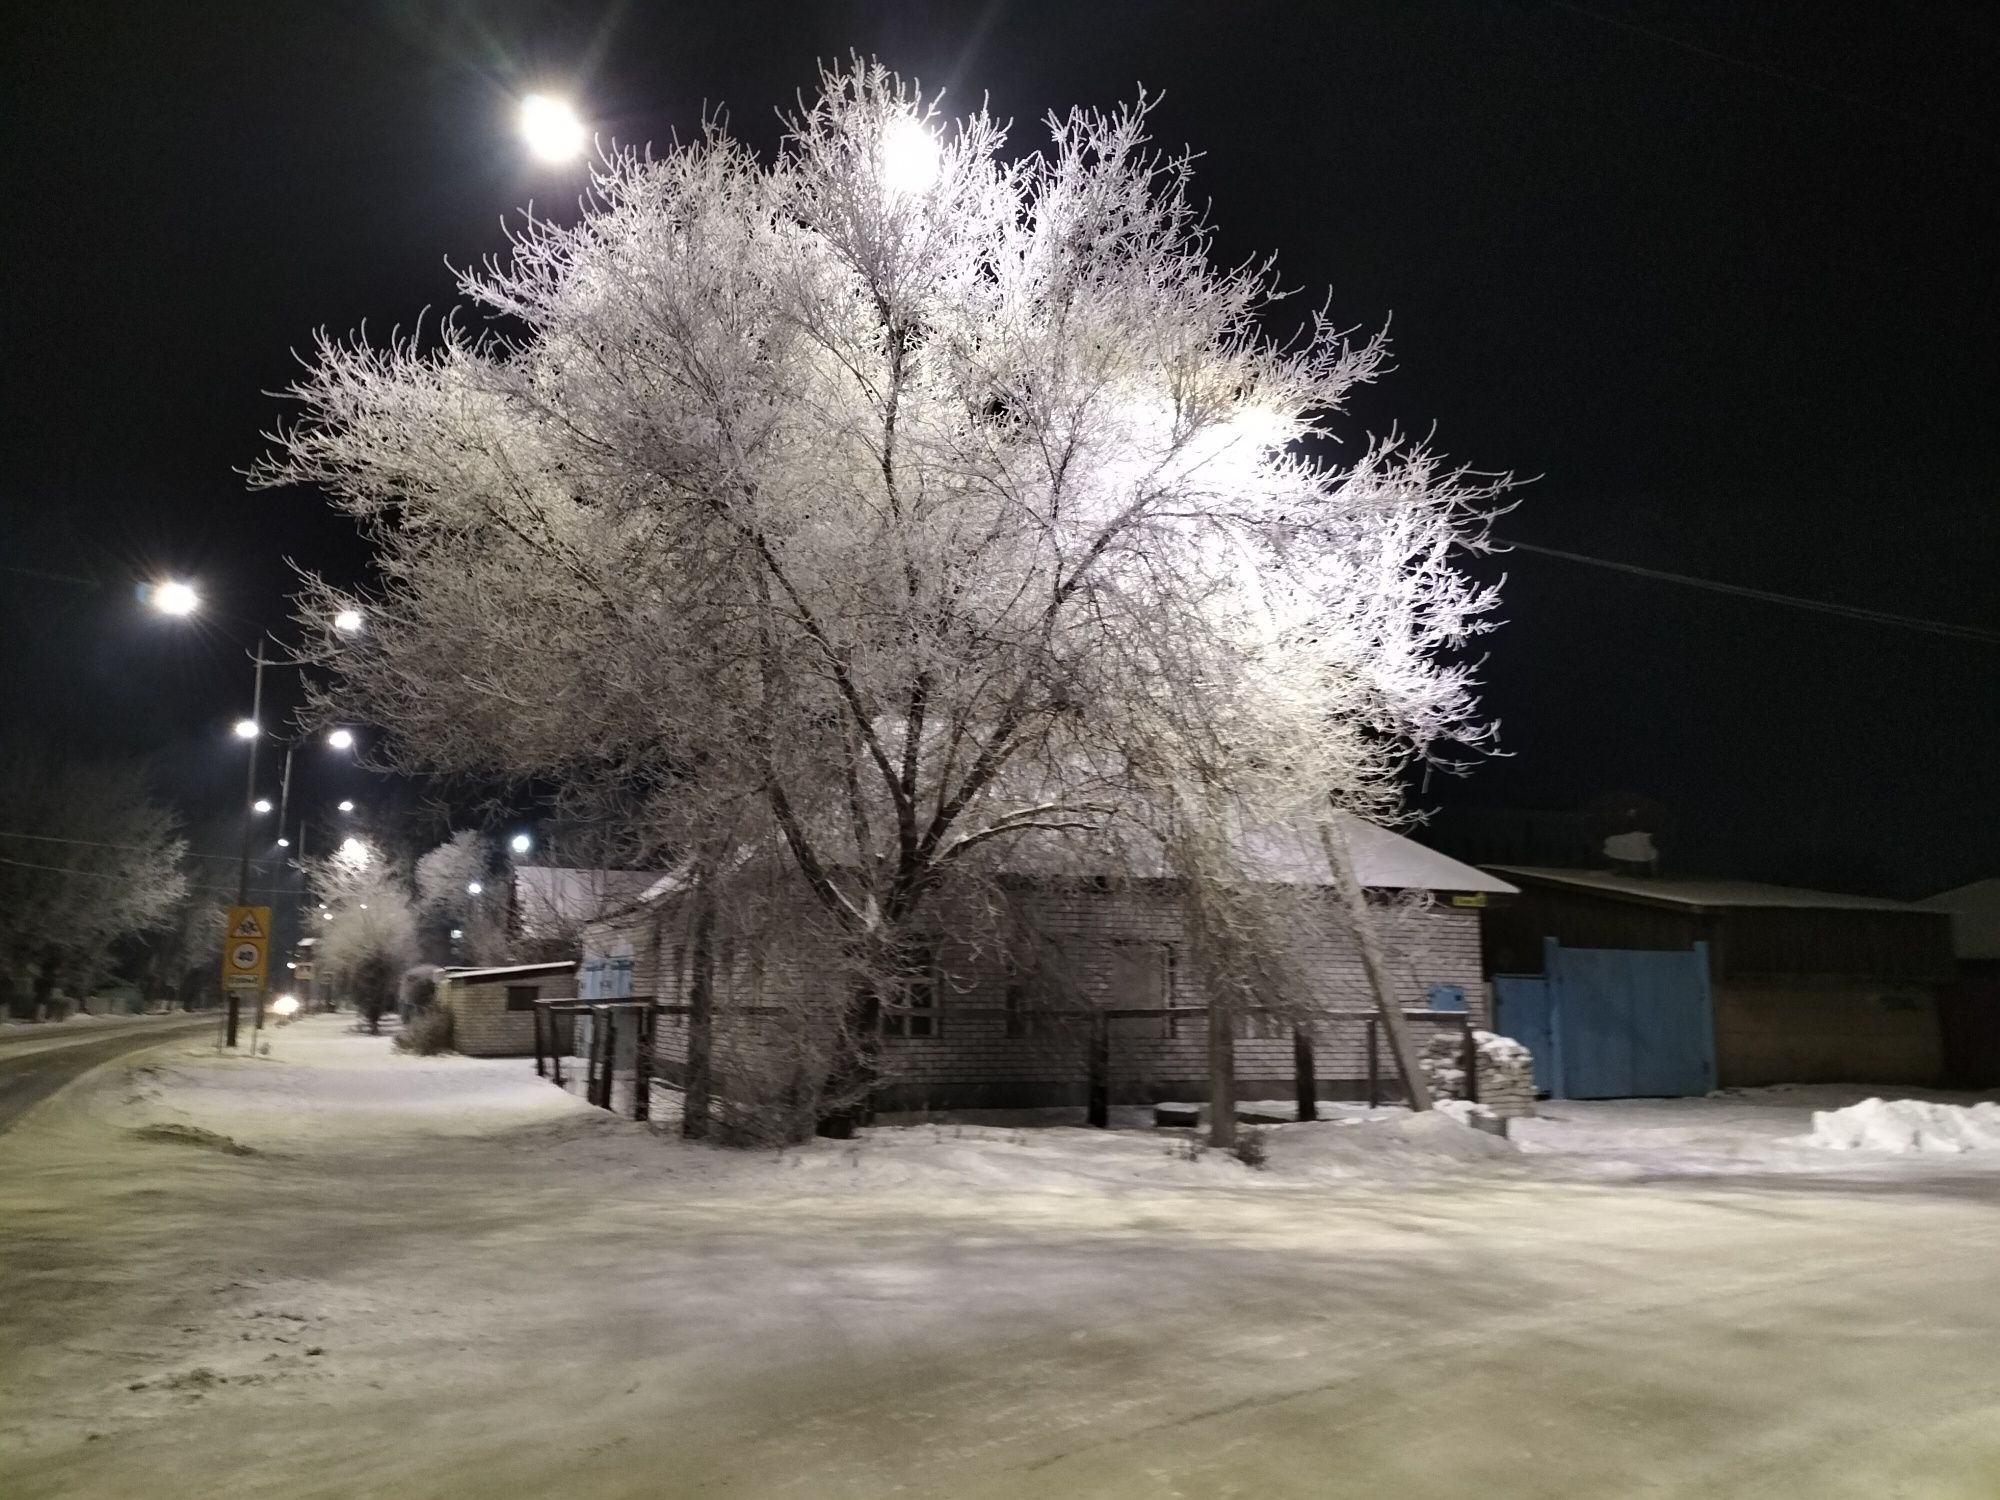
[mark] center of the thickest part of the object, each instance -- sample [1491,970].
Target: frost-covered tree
[886,504]
[446,878]
[368,933]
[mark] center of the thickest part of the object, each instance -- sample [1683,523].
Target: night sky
[1715,273]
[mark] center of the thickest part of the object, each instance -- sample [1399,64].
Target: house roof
[1383,860]
[552,902]
[1975,917]
[506,971]
[1700,895]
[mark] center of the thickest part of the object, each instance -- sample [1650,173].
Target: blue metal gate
[1608,1023]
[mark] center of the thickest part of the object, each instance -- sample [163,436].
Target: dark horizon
[1717,278]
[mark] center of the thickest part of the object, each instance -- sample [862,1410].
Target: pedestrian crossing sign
[246,954]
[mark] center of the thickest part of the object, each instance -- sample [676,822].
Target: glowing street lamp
[348,621]
[346,806]
[172,597]
[341,739]
[473,888]
[912,158]
[551,129]
[520,843]
[246,729]
[262,805]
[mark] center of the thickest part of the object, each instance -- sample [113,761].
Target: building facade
[978,1032]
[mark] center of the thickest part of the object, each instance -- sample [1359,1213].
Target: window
[914,1013]
[1139,975]
[523,996]
[1027,1018]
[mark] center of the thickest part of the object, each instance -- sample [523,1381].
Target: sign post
[246,956]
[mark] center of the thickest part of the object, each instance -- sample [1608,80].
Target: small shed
[493,1009]
[1801,986]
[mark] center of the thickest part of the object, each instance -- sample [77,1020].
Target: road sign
[246,955]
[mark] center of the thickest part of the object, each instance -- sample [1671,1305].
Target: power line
[1797,81]
[230,890]
[50,838]
[1944,628]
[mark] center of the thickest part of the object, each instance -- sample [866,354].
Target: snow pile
[1907,1125]
[1432,1140]
[1077,1160]
[1478,1116]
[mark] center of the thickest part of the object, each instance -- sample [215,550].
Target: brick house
[493,1009]
[978,1035]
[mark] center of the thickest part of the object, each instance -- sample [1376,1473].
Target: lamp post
[177,598]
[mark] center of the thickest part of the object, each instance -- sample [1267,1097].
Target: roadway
[36,1061]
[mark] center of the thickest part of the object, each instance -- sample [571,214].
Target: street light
[262,804]
[911,157]
[173,597]
[551,129]
[348,621]
[341,739]
[520,843]
[473,888]
[284,843]
[346,806]
[247,729]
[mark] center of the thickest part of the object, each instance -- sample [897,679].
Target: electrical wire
[227,890]
[50,838]
[1945,628]
[1796,80]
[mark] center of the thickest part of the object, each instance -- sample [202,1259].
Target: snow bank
[1072,1159]
[1907,1125]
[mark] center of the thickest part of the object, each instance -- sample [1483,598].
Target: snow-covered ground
[343,1272]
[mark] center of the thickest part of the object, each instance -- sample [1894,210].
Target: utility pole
[1347,885]
[249,829]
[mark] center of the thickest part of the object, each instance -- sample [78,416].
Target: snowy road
[493,1293]
[34,1066]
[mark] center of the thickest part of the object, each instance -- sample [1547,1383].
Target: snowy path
[499,1294]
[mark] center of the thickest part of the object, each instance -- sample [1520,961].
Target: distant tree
[369,933]
[180,961]
[445,898]
[884,507]
[87,859]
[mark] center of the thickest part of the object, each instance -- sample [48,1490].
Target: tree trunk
[1221,1077]
[697,1081]
[1354,901]
[850,1080]
[45,984]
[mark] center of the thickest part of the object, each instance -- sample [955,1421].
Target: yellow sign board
[246,952]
